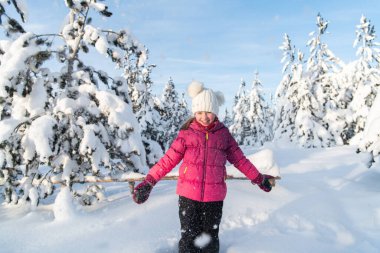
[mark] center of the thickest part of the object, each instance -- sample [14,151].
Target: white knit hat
[204,100]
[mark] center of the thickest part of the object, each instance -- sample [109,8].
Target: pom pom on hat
[219,95]
[195,88]
[204,100]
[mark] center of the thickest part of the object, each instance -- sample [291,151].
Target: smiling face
[205,118]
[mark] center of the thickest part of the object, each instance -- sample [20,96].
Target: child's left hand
[265,182]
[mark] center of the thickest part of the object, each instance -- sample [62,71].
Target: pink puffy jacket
[205,153]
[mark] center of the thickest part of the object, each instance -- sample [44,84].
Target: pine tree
[61,126]
[147,114]
[227,121]
[173,114]
[308,97]
[298,107]
[259,116]
[184,108]
[283,122]
[308,131]
[322,65]
[368,51]
[337,113]
[366,101]
[371,137]
[365,79]
[240,127]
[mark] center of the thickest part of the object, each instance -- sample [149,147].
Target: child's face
[205,118]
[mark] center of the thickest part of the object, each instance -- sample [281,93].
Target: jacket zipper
[204,167]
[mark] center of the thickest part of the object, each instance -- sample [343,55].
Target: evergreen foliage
[326,102]
[364,80]
[173,111]
[60,125]
[240,127]
[259,115]
[252,119]
[306,95]
[284,118]
[227,121]
[143,104]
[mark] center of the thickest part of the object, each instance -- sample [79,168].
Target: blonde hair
[187,123]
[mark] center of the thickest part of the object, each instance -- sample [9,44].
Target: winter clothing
[204,100]
[263,182]
[142,191]
[205,153]
[199,220]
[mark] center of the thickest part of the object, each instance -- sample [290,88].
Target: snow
[264,161]
[371,131]
[68,165]
[37,99]
[38,137]
[92,35]
[15,56]
[326,201]
[101,45]
[7,126]
[98,6]
[64,208]
[202,240]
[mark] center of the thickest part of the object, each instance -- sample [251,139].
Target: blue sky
[221,41]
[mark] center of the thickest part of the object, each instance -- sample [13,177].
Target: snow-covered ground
[326,201]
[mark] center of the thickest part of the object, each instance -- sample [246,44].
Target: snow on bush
[61,126]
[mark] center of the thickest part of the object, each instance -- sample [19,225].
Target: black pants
[199,226]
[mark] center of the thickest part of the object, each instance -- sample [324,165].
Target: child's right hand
[263,181]
[142,190]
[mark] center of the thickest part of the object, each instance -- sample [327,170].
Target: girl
[205,145]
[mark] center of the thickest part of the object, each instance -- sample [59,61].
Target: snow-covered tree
[240,127]
[302,96]
[184,107]
[371,137]
[288,54]
[259,116]
[328,96]
[60,125]
[227,121]
[322,65]
[308,130]
[143,102]
[306,95]
[337,115]
[173,114]
[364,79]
[283,122]
[295,121]
[368,49]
